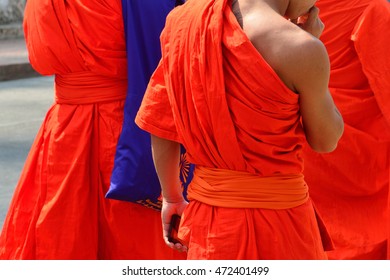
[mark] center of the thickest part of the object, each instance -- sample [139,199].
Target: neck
[279,6]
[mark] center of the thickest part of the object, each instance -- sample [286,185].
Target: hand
[168,209]
[311,22]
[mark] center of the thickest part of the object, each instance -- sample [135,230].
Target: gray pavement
[14,63]
[23,105]
[25,97]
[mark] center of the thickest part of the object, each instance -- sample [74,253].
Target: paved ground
[23,105]
[24,100]
[14,62]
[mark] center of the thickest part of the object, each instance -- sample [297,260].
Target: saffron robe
[350,186]
[215,94]
[59,210]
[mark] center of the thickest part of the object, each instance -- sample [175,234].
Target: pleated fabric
[350,186]
[220,233]
[215,94]
[59,210]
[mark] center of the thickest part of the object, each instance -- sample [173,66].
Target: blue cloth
[134,177]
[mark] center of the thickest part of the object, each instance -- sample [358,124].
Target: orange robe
[350,186]
[214,93]
[59,210]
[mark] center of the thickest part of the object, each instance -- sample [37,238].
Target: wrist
[173,198]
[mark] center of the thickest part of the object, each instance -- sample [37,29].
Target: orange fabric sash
[86,87]
[236,189]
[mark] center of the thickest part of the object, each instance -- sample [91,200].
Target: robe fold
[215,94]
[59,210]
[350,186]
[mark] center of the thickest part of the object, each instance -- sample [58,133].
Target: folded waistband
[235,189]
[87,87]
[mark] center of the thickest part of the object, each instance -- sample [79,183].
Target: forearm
[323,124]
[166,157]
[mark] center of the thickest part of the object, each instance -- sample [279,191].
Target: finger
[302,19]
[180,247]
[166,232]
[313,14]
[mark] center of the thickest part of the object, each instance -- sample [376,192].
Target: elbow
[326,143]
[323,148]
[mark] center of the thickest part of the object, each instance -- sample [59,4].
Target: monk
[59,209]
[234,82]
[350,186]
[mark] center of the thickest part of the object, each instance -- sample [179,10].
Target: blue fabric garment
[134,177]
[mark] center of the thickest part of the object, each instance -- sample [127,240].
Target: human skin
[301,62]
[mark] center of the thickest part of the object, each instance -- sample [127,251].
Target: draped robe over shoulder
[59,210]
[350,186]
[214,93]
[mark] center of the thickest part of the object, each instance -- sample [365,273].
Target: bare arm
[166,157]
[293,50]
[322,121]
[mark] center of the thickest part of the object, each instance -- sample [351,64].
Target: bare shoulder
[305,46]
[290,51]
[306,58]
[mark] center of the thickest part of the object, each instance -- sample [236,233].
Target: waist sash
[87,87]
[235,189]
